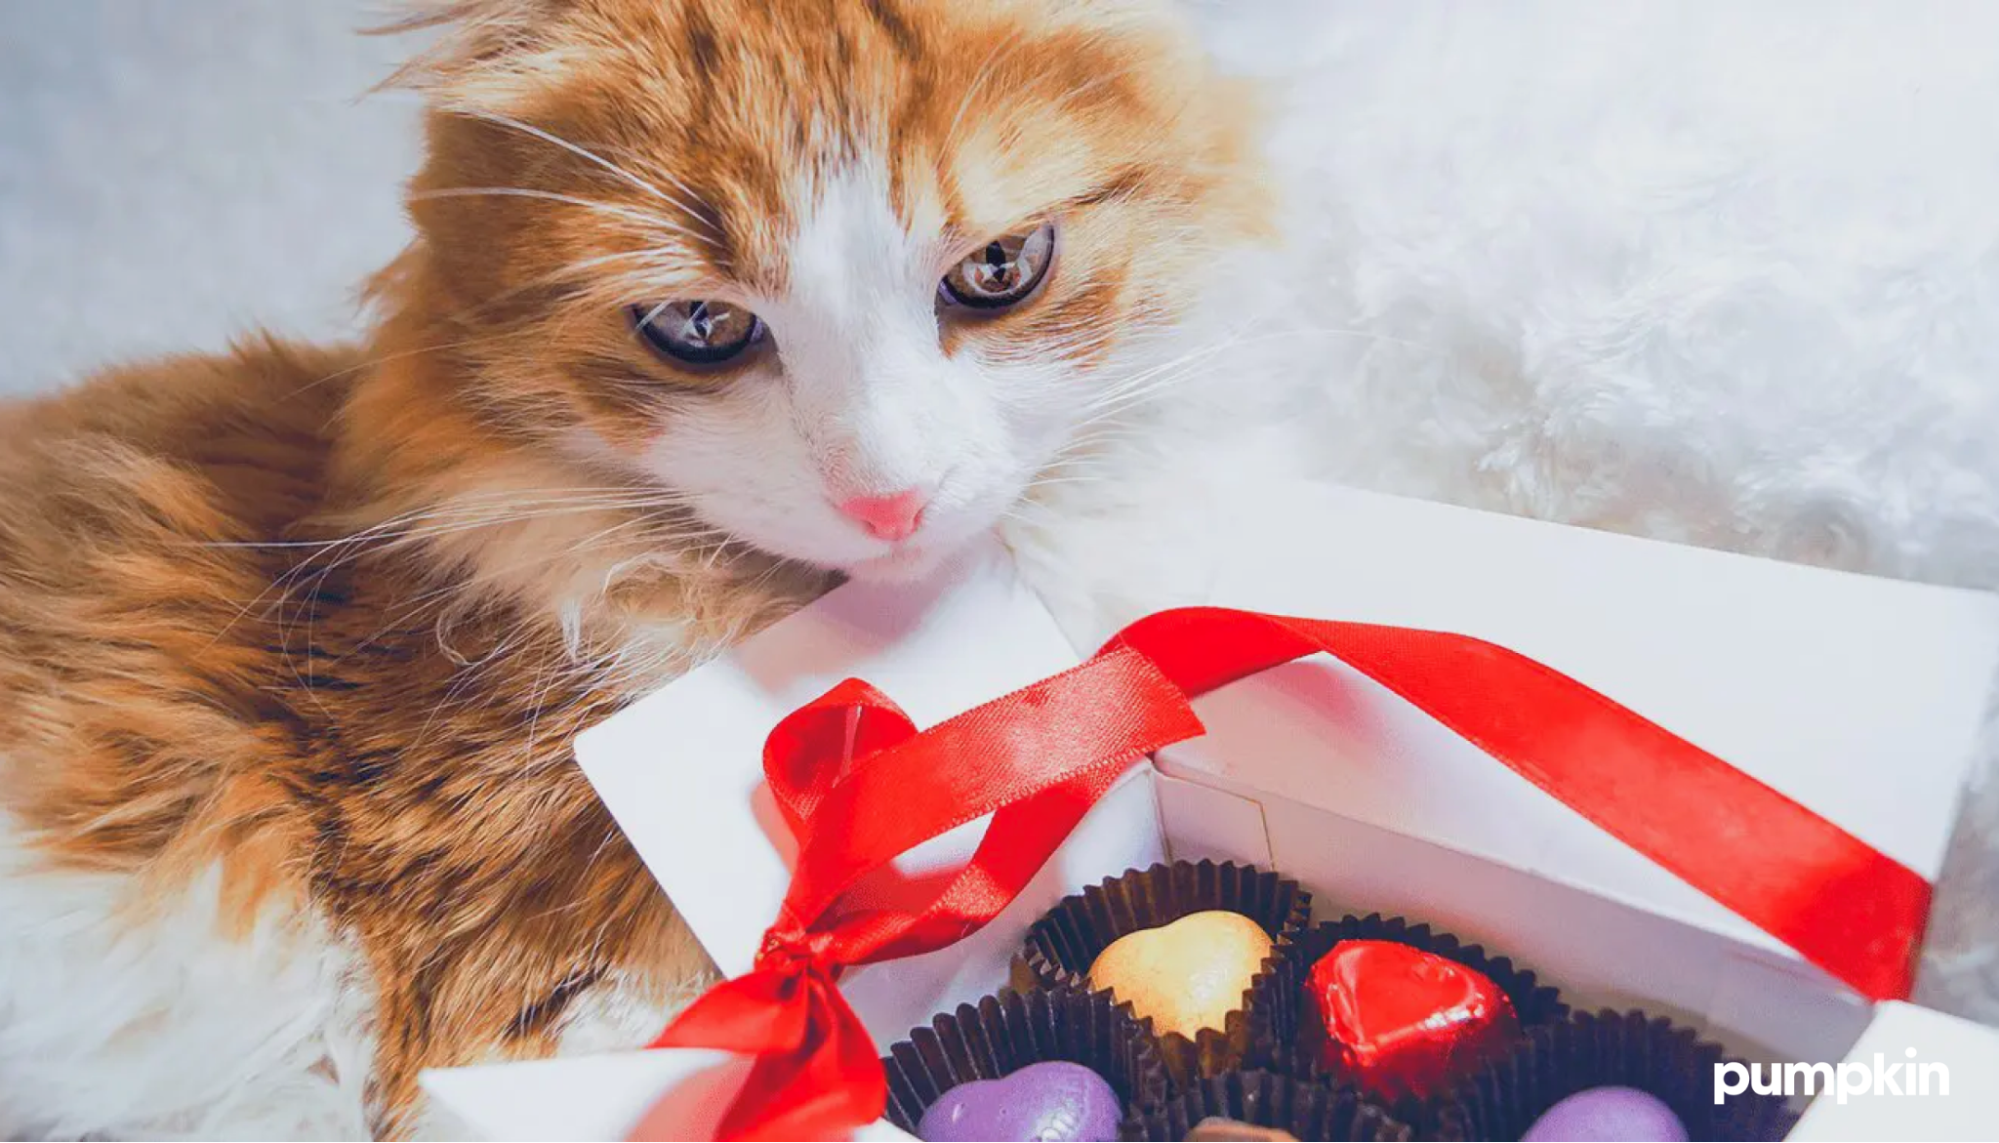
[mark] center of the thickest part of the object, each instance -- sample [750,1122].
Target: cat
[711,304]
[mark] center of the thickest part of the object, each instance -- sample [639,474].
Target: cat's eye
[697,332]
[1003,272]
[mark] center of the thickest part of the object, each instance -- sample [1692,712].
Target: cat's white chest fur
[121,1025]
[152,1025]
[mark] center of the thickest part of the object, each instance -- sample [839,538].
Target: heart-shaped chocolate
[1405,1021]
[1215,1129]
[1049,1100]
[1187,975]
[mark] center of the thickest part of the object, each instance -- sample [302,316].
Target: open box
[1864,699]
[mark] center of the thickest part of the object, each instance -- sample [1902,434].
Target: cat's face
[845,274]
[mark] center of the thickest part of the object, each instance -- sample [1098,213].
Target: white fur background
[1713,272]
[1721,273]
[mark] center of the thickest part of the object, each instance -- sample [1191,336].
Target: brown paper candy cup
[1301,1108]
[1007,1031]
[1604,1049]
[1287,1035]
[1061,945]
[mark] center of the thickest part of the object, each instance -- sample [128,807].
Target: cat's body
[302,824]
[292,641]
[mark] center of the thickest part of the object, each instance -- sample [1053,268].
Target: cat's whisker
[1135,386]
[385,540]
[503,497]
[386,358]
[1053,482]
[1006,44]
[451,692]
[1141,386]
[587,545]
[1146,383]
[457,526]
[1064,342]
[1126,396]
[412,608]
[663,535]
[282,582]
[574,271]
[627,213]
[1084,455]
[580,152]
[693,204]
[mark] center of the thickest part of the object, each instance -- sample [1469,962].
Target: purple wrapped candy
[1608,1114]
[1052,1100]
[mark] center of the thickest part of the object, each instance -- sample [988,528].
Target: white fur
[123,1014]
[1717,273]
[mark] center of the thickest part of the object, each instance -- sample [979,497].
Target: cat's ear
[481,46]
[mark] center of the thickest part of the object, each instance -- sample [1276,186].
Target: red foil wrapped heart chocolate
[1403,1021]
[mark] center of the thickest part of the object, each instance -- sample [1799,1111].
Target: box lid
[1860,697]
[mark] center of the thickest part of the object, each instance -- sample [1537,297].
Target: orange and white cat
[710,302]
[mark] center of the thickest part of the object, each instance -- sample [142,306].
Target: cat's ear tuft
[481,47]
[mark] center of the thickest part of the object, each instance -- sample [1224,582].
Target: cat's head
[845,275]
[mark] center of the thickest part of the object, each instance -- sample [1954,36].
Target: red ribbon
[859,786]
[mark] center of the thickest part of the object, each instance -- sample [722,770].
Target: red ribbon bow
[860,786]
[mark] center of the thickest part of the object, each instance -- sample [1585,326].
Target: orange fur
[327,618]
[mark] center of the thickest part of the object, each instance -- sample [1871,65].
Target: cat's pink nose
[892,517]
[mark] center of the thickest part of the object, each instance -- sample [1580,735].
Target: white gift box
[1863,699]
